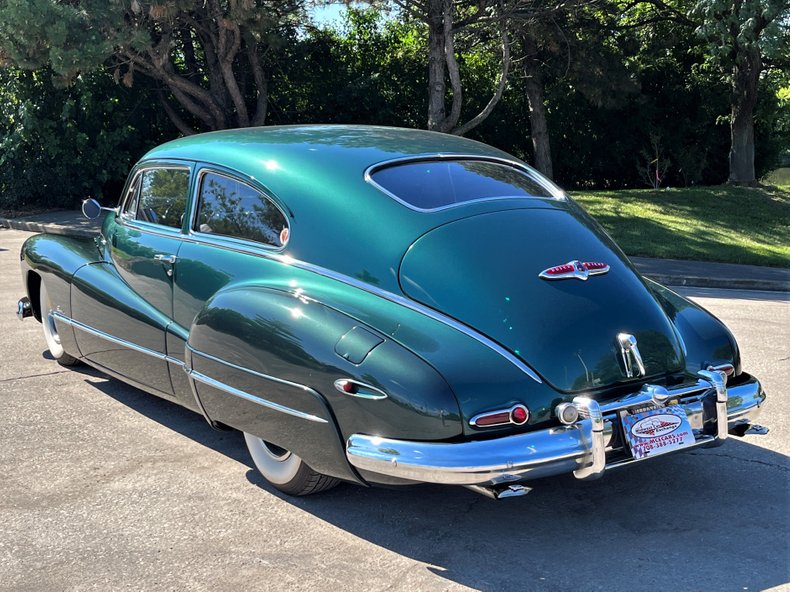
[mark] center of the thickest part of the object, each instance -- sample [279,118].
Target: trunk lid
[484,271]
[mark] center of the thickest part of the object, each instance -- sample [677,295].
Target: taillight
[516,415]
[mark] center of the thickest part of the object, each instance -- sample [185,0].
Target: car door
[129,299]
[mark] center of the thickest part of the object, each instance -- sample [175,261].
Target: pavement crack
[749,460]
[33,376]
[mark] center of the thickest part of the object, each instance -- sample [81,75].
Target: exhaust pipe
[500,491]
[24,309]
[753,429]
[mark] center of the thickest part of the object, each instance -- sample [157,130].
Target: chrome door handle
[165,258]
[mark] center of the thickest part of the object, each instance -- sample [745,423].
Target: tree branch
[480,117]
[261,83]
[180,124]
[452,69]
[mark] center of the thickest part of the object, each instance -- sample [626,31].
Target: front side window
[434,184]
[232,208]
[162,198]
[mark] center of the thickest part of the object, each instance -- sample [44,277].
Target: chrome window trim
[194,217]
[556,192]
[125,218]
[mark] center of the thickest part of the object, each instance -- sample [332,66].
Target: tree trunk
[436,65]
[745,78]
[537,108]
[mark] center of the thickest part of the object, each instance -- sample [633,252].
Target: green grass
[728,224]
[779,177]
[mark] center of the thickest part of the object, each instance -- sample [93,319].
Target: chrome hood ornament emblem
[580,270]
[631,356]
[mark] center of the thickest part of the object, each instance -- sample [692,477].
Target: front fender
[55,259]
[265,361]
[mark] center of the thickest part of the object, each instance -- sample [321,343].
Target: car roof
[317,173]
[259,151]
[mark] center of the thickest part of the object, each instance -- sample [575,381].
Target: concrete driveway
[103,487]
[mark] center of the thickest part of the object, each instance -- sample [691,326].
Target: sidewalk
[671,272]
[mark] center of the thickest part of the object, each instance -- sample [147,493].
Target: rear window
[435,184]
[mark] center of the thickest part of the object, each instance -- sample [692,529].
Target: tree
[739,34]
[446,19]
[59,145]
[205,54]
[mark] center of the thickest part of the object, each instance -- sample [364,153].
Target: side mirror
[91,209]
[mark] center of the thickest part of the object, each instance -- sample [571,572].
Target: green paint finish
[266,310]
[483,270]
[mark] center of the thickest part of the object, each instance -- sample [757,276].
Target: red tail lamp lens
[493,419]
[349,387]
[519,415]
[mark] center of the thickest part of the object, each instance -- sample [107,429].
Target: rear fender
[706,340]
[265,361]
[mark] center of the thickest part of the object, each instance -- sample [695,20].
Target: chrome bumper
[24,309]
[587,448]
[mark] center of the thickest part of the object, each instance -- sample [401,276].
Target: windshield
[436,184]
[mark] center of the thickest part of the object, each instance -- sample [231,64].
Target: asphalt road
[103,487]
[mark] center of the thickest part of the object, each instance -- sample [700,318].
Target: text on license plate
[657,431]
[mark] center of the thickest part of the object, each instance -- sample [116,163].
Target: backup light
[567,413]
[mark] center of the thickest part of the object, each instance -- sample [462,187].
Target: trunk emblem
[580,270]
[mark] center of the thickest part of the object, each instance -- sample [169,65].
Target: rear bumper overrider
[586,448]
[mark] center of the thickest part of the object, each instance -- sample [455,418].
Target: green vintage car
[385,306]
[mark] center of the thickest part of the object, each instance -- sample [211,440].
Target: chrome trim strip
[556,192]
[112,339]
[195,375]
[394,298]
[412,305]
[252,372]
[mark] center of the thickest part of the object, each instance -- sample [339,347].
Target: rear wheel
[51,331]
[284,470]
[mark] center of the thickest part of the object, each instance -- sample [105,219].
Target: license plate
[657,431]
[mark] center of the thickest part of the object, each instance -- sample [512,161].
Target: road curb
[713,282]
[48,228]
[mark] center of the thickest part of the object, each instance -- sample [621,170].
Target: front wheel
[284,470]
[51,331]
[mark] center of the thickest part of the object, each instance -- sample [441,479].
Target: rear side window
[232,208]
[435,184]
[162,198]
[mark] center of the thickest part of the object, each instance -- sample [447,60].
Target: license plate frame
[657,431]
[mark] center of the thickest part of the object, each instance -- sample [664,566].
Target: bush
[61,145]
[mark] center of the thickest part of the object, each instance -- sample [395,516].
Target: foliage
[206,55]
[61,145]
[370,72]
[613,73]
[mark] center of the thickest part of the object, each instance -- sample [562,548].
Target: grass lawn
[728,224]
